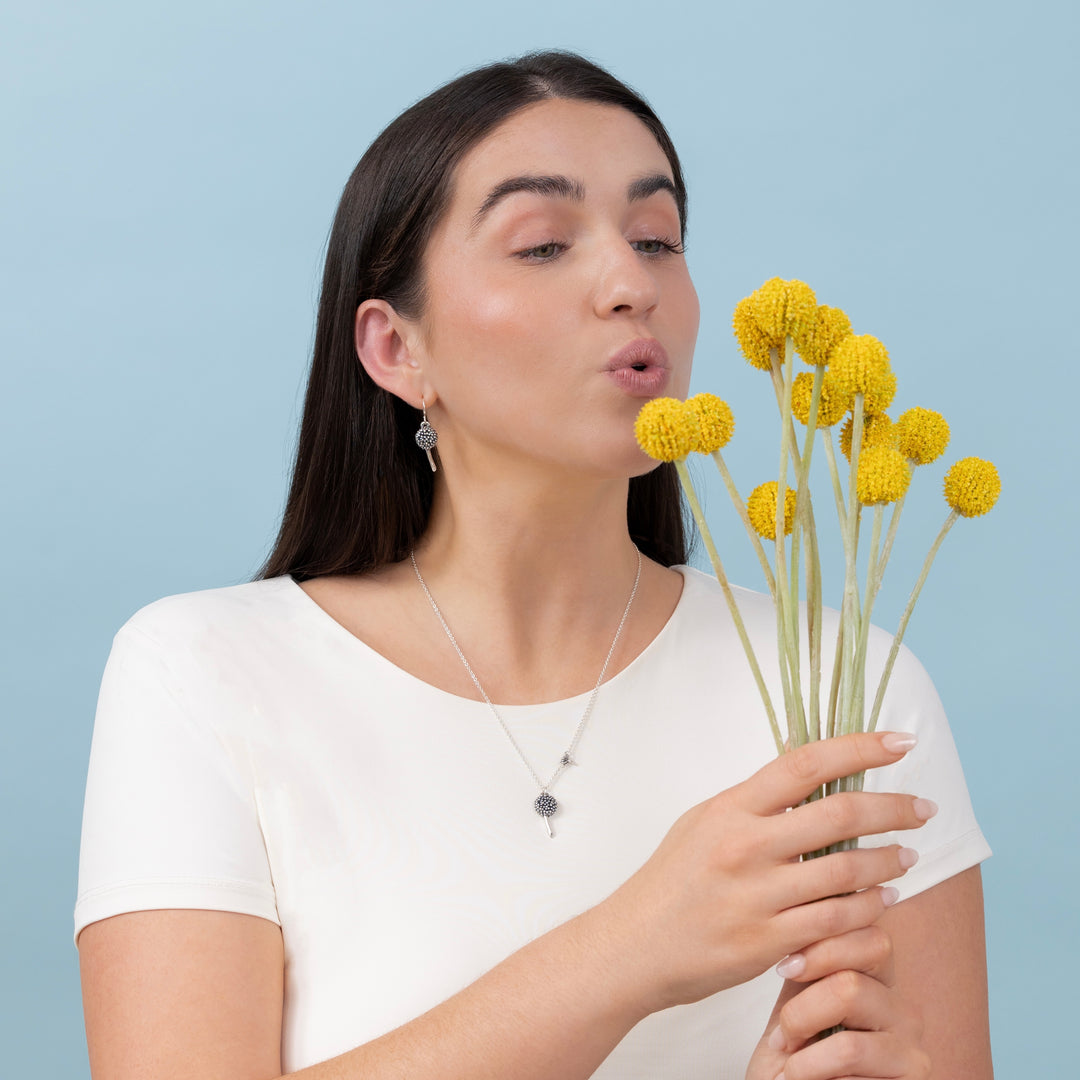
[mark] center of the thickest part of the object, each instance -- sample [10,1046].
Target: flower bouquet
[851,377]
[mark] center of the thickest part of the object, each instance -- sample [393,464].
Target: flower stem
[898,637]
[740,507]
[736,617]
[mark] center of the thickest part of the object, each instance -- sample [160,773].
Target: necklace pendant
[546,805]
[567,760]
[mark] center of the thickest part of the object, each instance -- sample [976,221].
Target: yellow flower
[972,486]
[878,430]
[922,435]
[816,342]
[667,429]
[832,403]
[883,476]
[878,398]
[761,509]
[716,423]
[754,344]
[782,307]
[859,363]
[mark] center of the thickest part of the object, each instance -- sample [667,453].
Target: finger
[847,815]
[858,1054]
[851,998]
[799,927]
[838,874]
[791,777]
[868,950]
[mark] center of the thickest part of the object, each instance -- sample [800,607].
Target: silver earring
[426,436]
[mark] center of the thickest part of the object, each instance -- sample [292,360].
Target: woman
[313,843]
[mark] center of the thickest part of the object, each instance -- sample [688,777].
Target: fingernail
[899,741]
[907,857]
[776,1039]
[792,965]
[924,808]
[889,895]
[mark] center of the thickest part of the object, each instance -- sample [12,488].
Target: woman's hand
[844,980]
[725,896]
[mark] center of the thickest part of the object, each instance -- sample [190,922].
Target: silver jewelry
[426,436]
[545,803]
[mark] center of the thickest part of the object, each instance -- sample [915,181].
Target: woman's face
[558,300]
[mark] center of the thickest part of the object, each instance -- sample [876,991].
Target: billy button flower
[761,507]
[716,422]
[883,475]
[753,343]
[860,365]
[878,430]
[972,486]
[879,397]
[783,308]
[832,404]
[667,429]
[922,435]
[816,342]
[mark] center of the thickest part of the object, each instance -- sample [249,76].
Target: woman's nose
[626,282]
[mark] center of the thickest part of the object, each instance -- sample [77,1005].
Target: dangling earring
[426,436]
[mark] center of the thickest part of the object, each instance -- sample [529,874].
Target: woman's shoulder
[230,609]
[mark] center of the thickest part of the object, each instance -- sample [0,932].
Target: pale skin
[529,556]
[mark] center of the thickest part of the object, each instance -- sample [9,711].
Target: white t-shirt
[251,755]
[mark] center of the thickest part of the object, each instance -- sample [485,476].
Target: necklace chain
[545,804]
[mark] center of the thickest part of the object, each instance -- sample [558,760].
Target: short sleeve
[951,841]
[170,818]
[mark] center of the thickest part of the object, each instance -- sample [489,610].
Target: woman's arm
[939,947]
[173,994]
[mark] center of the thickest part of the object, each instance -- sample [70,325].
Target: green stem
[838,491]
[718,569]
[864,624]
[740,507]
[787,602]
[902,628]
[894,521]
[849,610]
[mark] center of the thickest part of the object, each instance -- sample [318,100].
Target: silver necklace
[545,803]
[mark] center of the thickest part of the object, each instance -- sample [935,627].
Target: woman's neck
[534,579]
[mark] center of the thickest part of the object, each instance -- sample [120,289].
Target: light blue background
[170,173]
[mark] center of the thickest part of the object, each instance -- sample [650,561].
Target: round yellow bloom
[877,430]
[878,398]
[667,429]
[859,363]
[816,342]
[761,509]
[972,486]
[782,307]
[922,435]
[883,475]
[832,403]
[716,422]
[754,344]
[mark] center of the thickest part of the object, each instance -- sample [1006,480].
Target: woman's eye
[657,246]
[542,252]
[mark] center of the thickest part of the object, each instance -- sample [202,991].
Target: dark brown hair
[361,490]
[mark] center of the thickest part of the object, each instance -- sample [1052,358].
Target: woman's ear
[382,340]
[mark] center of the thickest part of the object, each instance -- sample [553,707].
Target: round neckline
[324,617]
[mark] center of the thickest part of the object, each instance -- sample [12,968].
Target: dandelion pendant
[546,805]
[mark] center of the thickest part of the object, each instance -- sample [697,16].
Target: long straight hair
[361,491]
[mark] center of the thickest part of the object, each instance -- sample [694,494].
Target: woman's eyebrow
[552,187]
[563,187]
